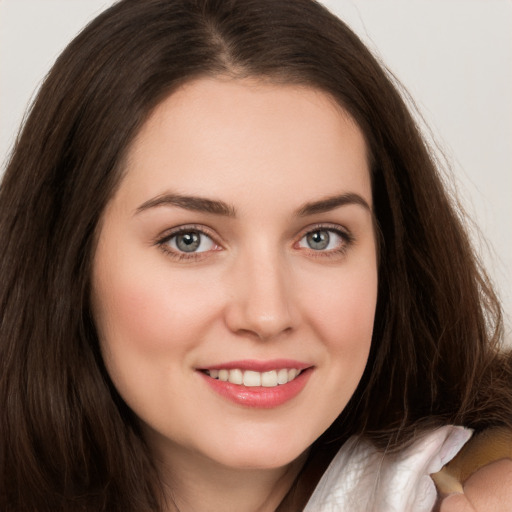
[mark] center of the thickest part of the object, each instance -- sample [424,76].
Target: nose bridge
[261,300]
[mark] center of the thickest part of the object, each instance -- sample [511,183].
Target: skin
[489,490]
[256,290]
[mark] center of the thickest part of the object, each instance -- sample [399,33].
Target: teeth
[236,377]
[282,376]
[269,379]
[250,378]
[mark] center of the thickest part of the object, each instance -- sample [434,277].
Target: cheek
[343,310]
[150,321]
[141,306]
[147,311]
[341,315]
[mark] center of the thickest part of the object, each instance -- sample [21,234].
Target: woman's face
[239,246]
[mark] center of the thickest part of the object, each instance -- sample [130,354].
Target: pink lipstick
[258,384]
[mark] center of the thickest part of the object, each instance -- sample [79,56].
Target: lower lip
[259,397]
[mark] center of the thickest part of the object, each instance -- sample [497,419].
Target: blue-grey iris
[188,242]
[318,240]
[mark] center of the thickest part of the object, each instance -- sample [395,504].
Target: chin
[261,455]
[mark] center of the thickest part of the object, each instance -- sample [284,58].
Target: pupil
[318,240]
[188,242]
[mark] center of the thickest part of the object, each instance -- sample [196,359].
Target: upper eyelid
[326,227]
[169,233]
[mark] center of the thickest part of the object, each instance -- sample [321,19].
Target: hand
[488,490]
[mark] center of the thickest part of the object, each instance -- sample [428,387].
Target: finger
[490,488]
[456,503]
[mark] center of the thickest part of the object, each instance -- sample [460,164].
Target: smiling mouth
[250,378]
[258,384]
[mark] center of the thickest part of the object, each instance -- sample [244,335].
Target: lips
[261,384]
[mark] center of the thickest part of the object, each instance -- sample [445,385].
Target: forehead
[224,136]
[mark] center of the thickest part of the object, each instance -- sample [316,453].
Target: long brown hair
[67,440]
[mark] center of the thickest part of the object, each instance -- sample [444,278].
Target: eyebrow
[217,207]
[331,203]
[197,204]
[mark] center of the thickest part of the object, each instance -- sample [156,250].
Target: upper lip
[258,365]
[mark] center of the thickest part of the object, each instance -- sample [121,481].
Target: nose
[261,300]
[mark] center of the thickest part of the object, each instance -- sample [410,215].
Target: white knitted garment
[363,479]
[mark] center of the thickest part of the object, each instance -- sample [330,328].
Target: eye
[324,240]
[190,241]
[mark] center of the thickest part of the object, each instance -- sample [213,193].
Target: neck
[194,483]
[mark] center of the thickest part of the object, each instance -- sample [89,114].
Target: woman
[228,255]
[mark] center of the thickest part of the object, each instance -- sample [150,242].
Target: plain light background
[453,56]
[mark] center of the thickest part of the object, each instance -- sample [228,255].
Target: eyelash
[347,238]
[162,243]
